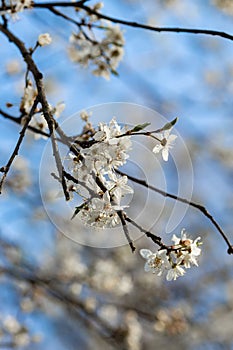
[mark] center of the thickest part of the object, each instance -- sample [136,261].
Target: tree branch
[126,231]
[31,66]
[156,239]
[159,29]
[200,207]
[75,305]
[6,168]
[81,5]
[18,120]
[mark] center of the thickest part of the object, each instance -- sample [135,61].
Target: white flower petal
[157,148]
[165,154]
[147,267]
[172,138]
[146,253]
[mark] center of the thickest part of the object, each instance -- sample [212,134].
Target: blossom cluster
[104,54]
[173,261]
[94,169]
[15,333]
[93,162]
[16,6]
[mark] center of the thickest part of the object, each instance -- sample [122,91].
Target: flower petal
[147,267]
[145,253]
[157,148]
[165,154]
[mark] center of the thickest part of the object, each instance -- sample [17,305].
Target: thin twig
[200,207]
[126,231]
[6,168]
[18,120]
[46,5]
[67,18]
[156,239]
[120,214]
[81,5]
[159,29]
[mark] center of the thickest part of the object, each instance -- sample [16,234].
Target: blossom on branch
[156,262]
[166,143]
[104,53]
[94,169]
[28,98]
[44,39]
[175,259]
[38,121]
[16,6]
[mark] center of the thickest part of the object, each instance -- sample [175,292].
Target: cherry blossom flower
[21,4]
[103,54]
[28,98]
[156,262]
[38,121]
[100,213]
[175,272]
[190,249]
[44,39]
[118,187]
[58,109]
[16,6]
[165,144]
[100,159]
[175,259]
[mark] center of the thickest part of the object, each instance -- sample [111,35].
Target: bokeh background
[57,294]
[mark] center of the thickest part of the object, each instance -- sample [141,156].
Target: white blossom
[21,4]
[175,272]
[22,339]
[11,325]
[107,151]
[114,36]
[102,70]
[118,187]
[156,262]
[100,213]
[84,115]
[103,54]
[58,109]
[16,6]
[44,39]
[28,98]
[110,151]
[165,144]
[173,260]
[189,251]
[13,67]
[38,121]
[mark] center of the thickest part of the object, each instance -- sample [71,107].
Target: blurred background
[58,294]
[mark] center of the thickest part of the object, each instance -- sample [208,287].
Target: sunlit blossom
[166,143]
[175,259]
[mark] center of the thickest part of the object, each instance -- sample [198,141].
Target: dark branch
[81,5]
[6,168]
[18,121]
[32,67]
[126,231]
[153,237]
[159,29]
[200,207]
